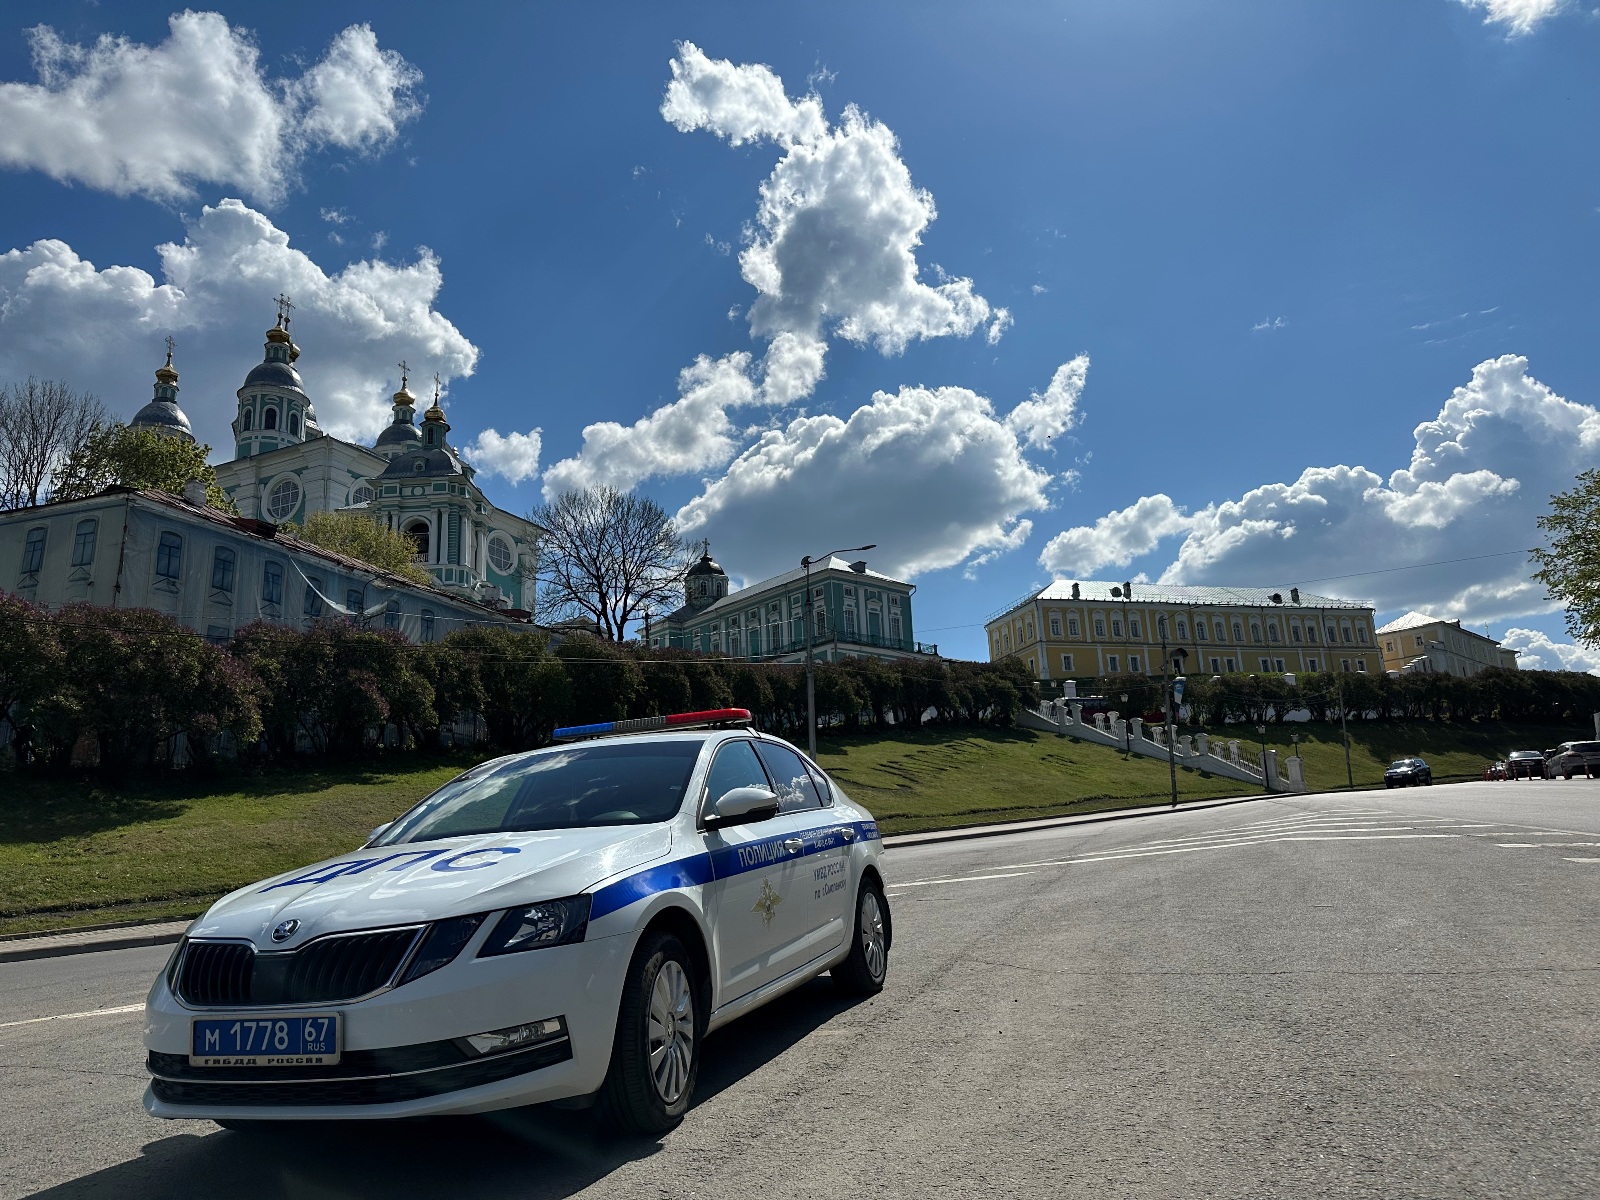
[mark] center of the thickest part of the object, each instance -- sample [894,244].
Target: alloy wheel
[671,1031]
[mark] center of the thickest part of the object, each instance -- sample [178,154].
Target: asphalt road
[1386,994]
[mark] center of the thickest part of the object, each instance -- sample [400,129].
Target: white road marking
[963,879]
[1515,845]
[77,1016]
[1583,860]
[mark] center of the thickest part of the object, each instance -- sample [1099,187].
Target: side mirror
[378,832]
[742,806]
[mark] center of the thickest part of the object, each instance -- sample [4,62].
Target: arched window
[283,500]
[1238,632]
[33,551]
[1255,632]
[363,495]
[222,570]
[1199,631]
[427,625]
[269,419]
[294,424]
[1183,630]
[417,531]
[1272,633]
[1294,633]
[391,615]
[83,542]
[249,419]
[313,603]
[169,556]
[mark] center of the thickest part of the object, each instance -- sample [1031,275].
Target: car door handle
[794,845]
[847,833]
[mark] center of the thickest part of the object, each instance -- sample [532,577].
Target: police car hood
[428,881]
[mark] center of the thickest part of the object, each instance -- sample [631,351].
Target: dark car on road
[1525,764]
[1573,758]
[1404,772]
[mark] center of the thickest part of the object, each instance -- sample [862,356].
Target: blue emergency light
[695,720]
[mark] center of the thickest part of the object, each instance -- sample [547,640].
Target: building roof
[736,600]
[1097,591]
[164,414]
[274,374]
[1412,620]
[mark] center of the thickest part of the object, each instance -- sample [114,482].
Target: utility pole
[1344,735]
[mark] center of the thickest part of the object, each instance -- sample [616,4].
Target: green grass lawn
[75,853]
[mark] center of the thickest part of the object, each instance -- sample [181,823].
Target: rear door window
[796,791]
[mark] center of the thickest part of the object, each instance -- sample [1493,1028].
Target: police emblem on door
[767,903]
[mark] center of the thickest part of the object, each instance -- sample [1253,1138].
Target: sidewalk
[1118,814]
[90,941]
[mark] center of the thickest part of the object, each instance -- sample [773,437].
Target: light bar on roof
[694,720]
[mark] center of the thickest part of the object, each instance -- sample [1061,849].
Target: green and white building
[412,480]
[855,612]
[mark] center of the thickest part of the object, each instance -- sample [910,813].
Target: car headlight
[440,945]
[548,923]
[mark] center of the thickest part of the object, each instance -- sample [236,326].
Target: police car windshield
[575,787]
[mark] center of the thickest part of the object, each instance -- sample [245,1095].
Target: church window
[362,495]
[222,570]
[269,419]
[83,542]
[427,625]
[294,424]
[169,556]
[249,419]
[500,555]
[391,615]
[849,620]
[283,500]
[894,628]
[272,584]
[417,531]
[418,467]
[313,604]
[33,552]
[352,601]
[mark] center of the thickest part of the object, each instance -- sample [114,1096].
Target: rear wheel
[655,1058]
[864,971]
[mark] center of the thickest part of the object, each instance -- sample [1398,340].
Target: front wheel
[656,1055]
[863,972]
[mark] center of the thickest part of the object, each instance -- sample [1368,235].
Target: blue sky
[1226,258]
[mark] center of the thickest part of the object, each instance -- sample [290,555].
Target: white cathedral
[411,480]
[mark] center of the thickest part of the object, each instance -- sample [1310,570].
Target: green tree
[524,691]
[357,535]
[114,455]
[1569,567]
[30,664]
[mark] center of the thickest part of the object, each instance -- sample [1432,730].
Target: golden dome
[434,414]
[278,334]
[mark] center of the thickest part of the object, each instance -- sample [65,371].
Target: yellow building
[1418,642]
[1087,629]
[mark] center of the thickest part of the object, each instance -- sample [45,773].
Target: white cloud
[928,473]
[1481,471]
[1270,323]
[155,121]
[101,328]
[1039,289]
[691,434]
[1518,16]
[335,216]
[1537,651]
[831,252]
[1116,539]
[513,456]
[1045,417]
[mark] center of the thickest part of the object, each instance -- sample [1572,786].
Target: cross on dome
[285,307]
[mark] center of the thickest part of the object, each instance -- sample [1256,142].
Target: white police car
[564,923]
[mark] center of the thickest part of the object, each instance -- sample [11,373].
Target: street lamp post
[1261,732]
[811,678]
[1126,748]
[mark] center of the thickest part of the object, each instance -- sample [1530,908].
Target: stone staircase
[1198,751]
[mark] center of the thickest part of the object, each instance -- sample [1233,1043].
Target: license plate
[298,1040]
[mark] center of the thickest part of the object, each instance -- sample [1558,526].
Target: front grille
[282,1091]
[216,973]
[329,969]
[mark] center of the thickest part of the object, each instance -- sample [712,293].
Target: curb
[935,836]
[22,951]
[127,937]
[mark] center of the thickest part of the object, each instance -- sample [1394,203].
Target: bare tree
[40,423]
[608,556]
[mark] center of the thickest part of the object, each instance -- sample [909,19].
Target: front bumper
[399,1055]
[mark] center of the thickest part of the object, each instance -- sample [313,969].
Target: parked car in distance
[1405,772]
[1575,757]
[1525,764]
[1495,770]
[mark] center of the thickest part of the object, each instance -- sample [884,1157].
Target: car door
[759,899]
[826,847]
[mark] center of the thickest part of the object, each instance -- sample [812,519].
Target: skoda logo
[284,930]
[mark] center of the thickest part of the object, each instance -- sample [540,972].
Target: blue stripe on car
[723,863]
